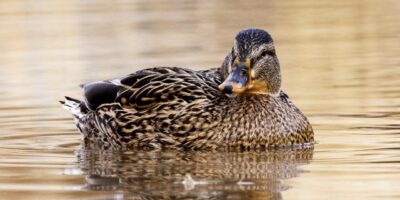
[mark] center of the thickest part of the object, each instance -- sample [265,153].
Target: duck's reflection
[192,175]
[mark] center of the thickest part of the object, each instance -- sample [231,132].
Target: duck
[239,105]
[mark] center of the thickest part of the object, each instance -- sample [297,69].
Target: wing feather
[149,87]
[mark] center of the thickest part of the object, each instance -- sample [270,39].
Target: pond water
[340,63]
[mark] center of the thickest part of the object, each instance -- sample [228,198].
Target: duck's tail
[75,106]
[83,119]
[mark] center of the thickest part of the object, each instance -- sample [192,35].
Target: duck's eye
[265,53]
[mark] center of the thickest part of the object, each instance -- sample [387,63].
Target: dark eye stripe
[267,52]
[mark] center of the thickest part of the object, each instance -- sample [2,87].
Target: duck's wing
[153,86]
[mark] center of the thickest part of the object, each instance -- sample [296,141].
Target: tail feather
[75,106]
[72,99]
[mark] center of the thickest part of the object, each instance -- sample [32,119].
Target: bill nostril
[228,89]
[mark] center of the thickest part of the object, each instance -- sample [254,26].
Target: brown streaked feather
[159,85]
[180,108]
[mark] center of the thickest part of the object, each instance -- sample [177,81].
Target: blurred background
[340,62]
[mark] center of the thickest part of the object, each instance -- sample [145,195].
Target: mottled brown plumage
[239,105]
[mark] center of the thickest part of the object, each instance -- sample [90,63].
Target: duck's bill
[238,80]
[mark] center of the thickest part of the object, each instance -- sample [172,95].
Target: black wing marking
[98,93]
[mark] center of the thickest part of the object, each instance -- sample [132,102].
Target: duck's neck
[250,104]
[245,118]
[246,111]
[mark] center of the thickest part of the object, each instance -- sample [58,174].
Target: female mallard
[237,105]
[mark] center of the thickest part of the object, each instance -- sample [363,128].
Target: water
[340,62]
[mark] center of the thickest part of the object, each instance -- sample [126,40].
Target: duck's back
[148,87]
[143,108]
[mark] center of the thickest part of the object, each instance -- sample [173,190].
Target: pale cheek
[253,73]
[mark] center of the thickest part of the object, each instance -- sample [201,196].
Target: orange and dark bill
[239,79]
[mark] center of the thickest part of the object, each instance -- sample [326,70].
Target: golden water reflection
[202,175]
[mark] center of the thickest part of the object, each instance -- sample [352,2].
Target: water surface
[340,64]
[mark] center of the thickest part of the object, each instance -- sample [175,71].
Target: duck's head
[252,65]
